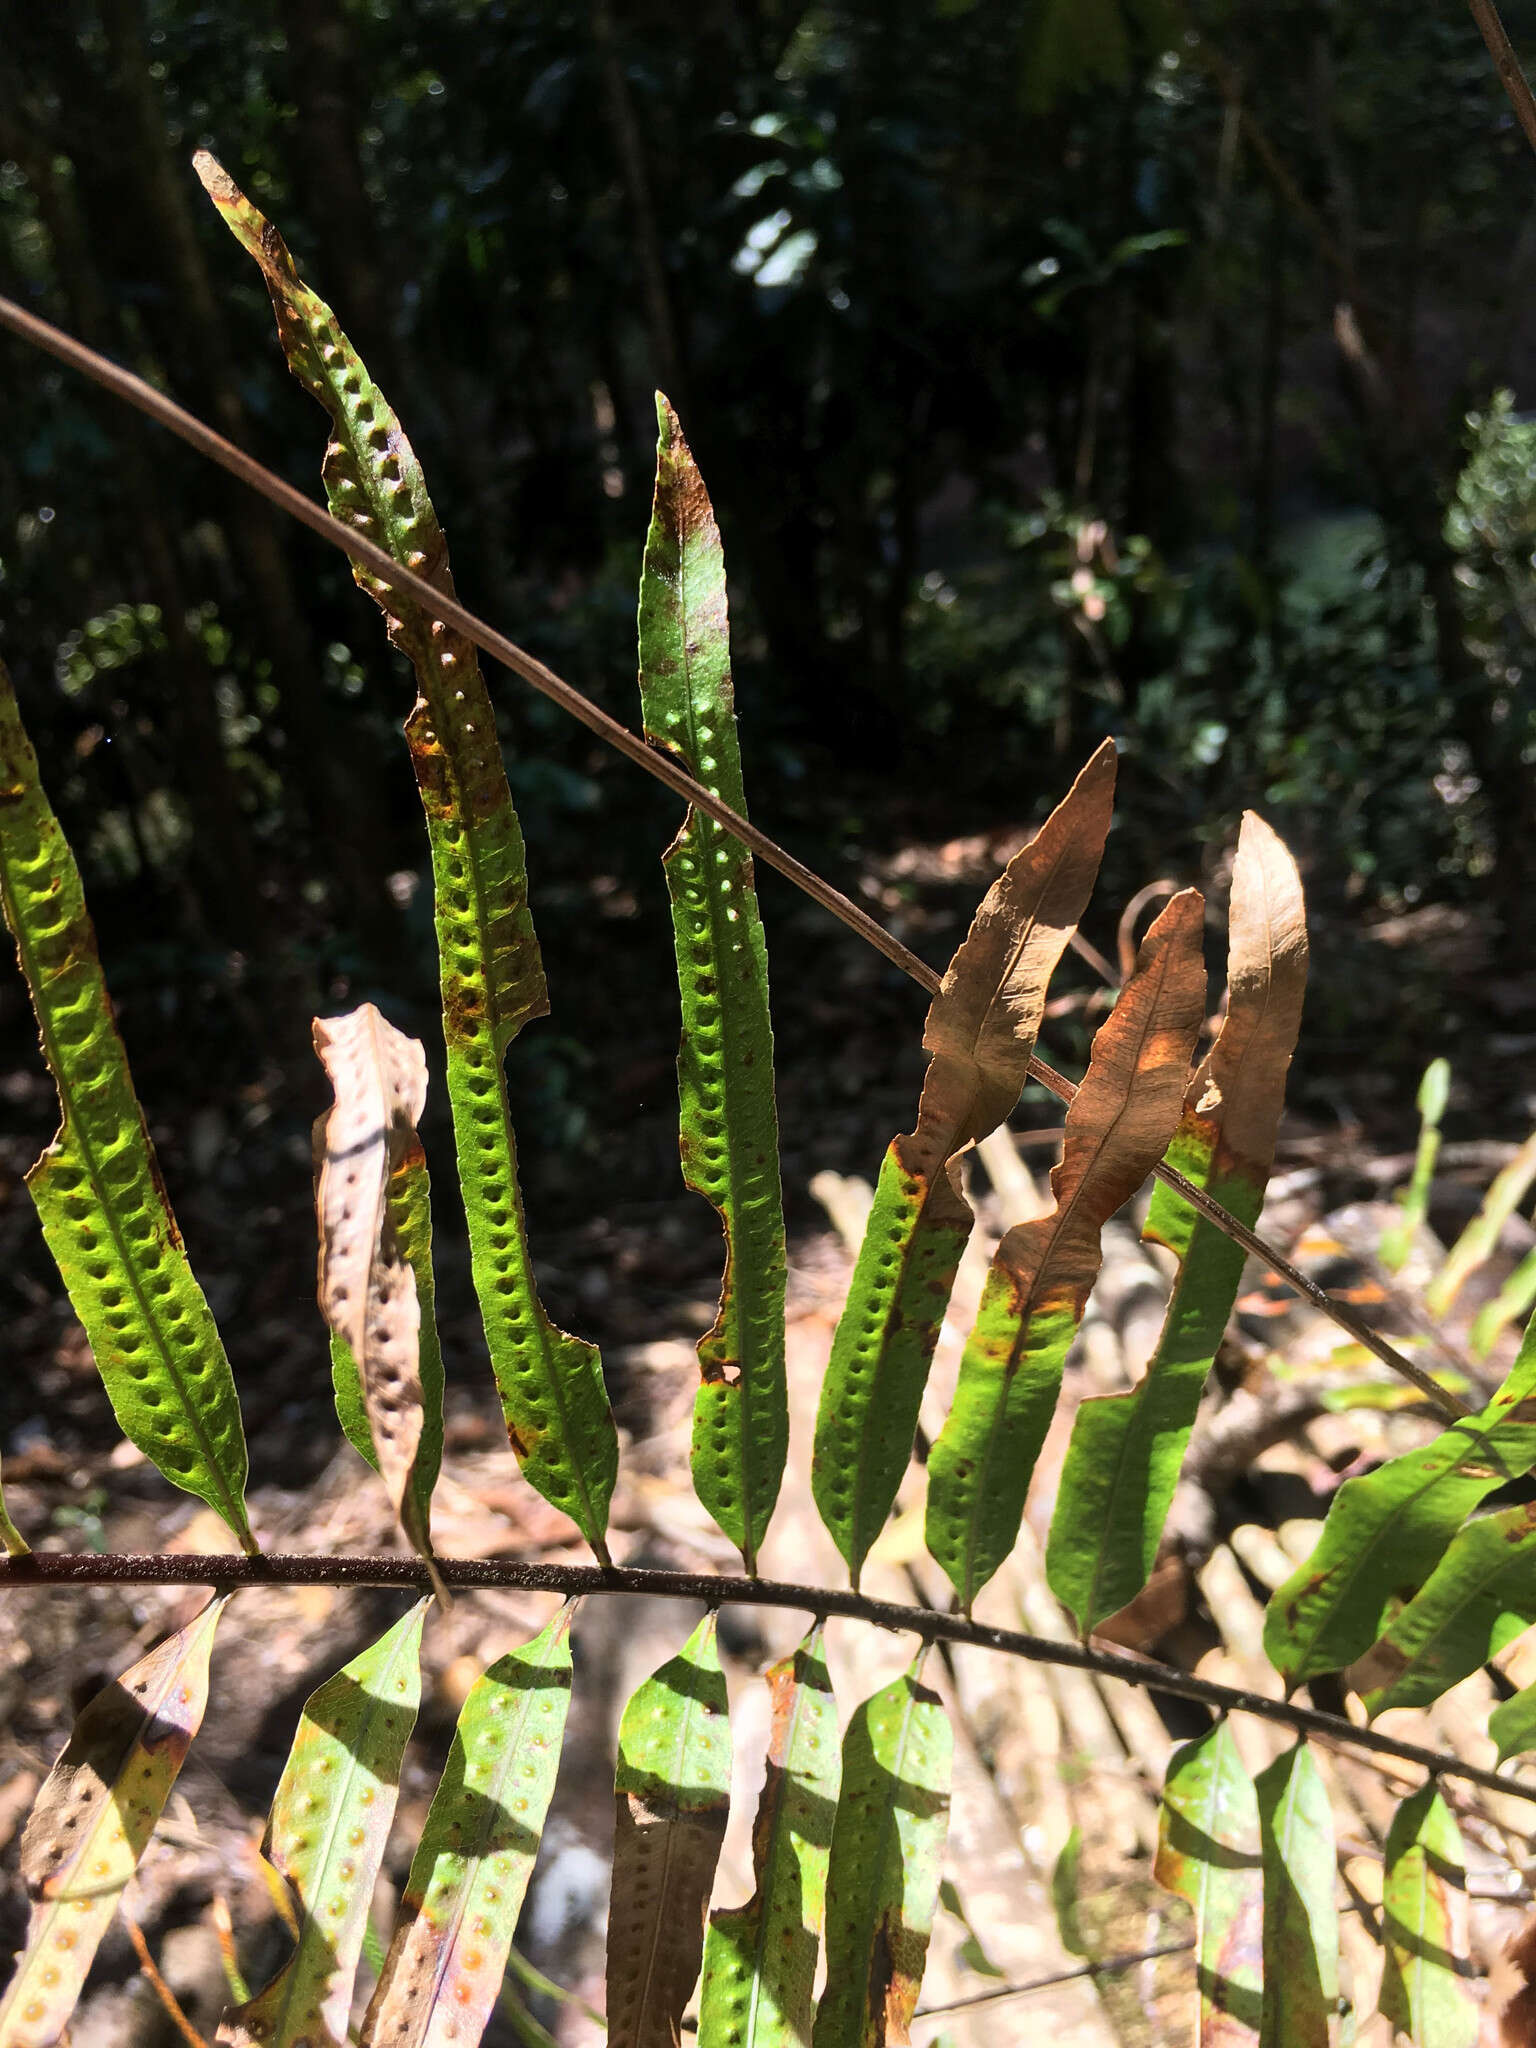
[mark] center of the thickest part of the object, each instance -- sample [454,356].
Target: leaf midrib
[300,1965]
[74,1130]
[739,1177]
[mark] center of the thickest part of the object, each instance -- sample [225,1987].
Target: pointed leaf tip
[559,1421]
[728,1123]
[980,1033]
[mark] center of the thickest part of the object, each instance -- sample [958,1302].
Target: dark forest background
[1057,369]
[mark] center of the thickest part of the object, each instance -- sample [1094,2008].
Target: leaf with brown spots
[672,1793]
[1478,1598]
[1123,1461]
[760,1958]
[980,1033]
[887,1854]
[470,1873]
[491,976]
[325,1838]
[367,1287]
[1117,1129]
[92,1822]
[729,1127]
[1386,1530]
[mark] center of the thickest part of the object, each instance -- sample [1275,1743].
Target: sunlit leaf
[1117,1128]
[672,1794]
[325,1838]
[1208,1851]
[980,1031]
[492,976]
[887,1855]
[92,1822]
[443,1973]
[103,1205]
[729,1125]
[1424,1988]
[1386,1530]
[1478,1598]
[1301,1915]
[1476,1243]
[760,1959]
[367,1285]
[1515,1299]
[1123,1460]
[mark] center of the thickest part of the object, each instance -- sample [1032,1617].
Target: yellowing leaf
[93,1820]
[326,1834]
[470,1874]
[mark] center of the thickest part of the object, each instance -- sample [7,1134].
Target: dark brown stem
[655,761]
[1507,64]
[230,1573]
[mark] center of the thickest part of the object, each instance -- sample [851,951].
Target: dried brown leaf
[1241,1083]
[367,1288]
[982,1023]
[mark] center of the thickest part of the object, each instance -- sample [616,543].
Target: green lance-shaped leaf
[368,1292]
[1425,1992]
[1301,1914]
[1512,1724]
[99,1195]
[1478,1598]
[887,1854]
[729,1125]
[1386,1530]
[1117,1128]
[1209,1852]
[760,1959]
[672,1793]
[408,1195]
[1123,1460]
[470,1873]
[492,976]
[1477,1241]
[1515,1299]
[980,1032]
[329,1823]
[1434,1094]
[93,1820]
